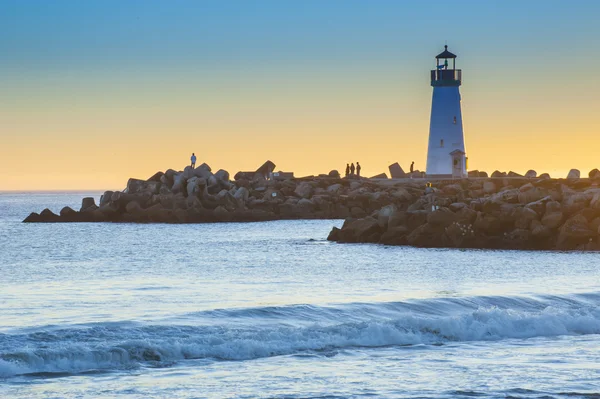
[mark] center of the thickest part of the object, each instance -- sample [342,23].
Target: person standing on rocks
[412,167]
[430,196]
[358,168]
[193,159]
[347,169]
[352,168]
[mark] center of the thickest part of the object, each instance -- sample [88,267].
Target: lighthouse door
[458,163]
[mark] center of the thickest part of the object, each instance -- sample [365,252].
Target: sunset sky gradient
[94,92]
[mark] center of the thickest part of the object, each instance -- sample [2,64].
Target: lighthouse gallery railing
[446,74]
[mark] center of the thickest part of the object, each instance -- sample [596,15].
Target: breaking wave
[242,334]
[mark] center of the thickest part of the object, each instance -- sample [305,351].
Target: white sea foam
[108,347]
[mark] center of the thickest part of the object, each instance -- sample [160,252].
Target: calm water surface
[273,310]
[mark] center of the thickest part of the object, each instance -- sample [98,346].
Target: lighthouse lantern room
[445,128]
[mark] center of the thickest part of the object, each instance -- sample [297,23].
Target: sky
[94,92]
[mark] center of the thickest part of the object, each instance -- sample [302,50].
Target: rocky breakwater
[199,195]
[503,213]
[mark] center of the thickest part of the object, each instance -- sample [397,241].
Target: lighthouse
[446,153]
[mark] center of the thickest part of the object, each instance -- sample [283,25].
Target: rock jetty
[496,213]
[504,211]
[197,195]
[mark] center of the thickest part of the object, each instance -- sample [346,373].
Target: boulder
[531,174]
[221,213]
[361,230]
[334,188]
[33,218]
[203,171]
[379,176]
[539,206]
[384,214]
[427,236]
[513,174]
[489,224]
[401,194]
[88,204]
[68,214]
[544,176]
[357,212]
[156,177]
[539,230]
[266,169]
[456,206]
[105,198]
[334,234]
[195,186]
[188,172]
[529,196]
[575,231]
[304,190]
[452,189]
[334,174]
[574,174]
[396,171]
[497,174]
[594,174]
[241,195]
[442,217]
[595,202]
[222,175]
[466,216]
[489,187]
[524,216]
[48,216]
[179,181]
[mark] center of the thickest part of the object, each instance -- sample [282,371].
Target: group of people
[350,169]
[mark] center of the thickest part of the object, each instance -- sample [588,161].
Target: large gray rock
[137,186]
[195,186]
[106,198]
[574,174]
[304,190]
[396,171]
[360,230]
[88,204]
[379,176]
[222,175]
[489,187]
[188,172]
[203,171]
[442,217]
[531,174]
[241,195]
[575,231]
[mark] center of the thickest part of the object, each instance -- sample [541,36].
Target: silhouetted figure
[358,168]
[347,169]
[352,168]
[430,196]
[412,167]
[193,159]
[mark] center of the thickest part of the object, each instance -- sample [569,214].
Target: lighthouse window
[441,142]
[455,120]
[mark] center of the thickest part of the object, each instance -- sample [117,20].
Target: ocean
[273,310]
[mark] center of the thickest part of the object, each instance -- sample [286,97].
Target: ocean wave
[276,331]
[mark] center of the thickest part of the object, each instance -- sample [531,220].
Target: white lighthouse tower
[446,154]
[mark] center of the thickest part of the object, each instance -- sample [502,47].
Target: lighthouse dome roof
[445,54]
